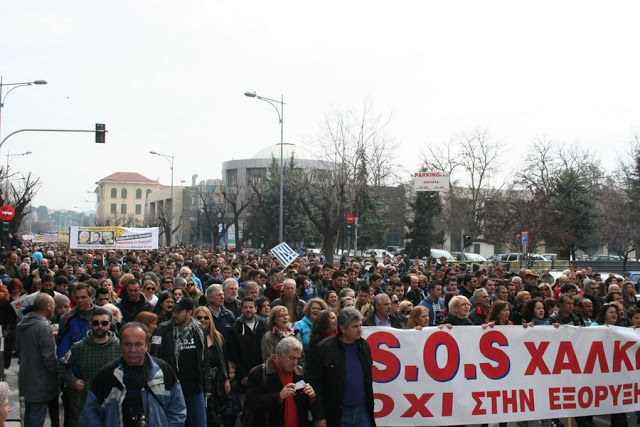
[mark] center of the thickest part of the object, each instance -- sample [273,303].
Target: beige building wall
[122,202]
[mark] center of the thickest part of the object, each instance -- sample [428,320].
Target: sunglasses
[406,312]
[190,285]
[166,283]
[150,288]
[395,302]
[104,323]
[202,317]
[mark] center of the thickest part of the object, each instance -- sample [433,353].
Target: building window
[138,193]
[123,208]
[114,193]
[147,193]
[232,177]
[113,208]
[123,193]
[138,209]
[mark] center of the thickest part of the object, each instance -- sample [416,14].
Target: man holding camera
[135,390]
[278,393]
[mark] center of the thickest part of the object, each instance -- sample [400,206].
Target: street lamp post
[281,120]
[9,157]
[170,160]
[13,87]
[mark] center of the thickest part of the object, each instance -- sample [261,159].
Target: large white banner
[113,238]
[470,375]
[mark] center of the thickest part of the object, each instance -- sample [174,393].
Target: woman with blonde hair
[218,374]
[117,315]
[279,328]
[419,318]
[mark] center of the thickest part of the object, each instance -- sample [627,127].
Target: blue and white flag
[284,253]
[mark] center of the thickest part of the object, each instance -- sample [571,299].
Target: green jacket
[87,358]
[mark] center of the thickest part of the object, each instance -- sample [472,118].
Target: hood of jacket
[31,319]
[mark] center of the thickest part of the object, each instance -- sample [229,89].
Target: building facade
[120,198]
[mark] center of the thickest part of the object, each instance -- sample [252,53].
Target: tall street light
[13,86]
[170,160]
[280,112]
[9,158]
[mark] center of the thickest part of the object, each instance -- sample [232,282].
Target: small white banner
[284,253]
[113,238]
[431,181]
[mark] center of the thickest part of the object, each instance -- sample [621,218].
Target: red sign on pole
[7,213]
[350,219]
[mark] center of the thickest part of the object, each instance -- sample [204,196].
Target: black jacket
[243,345]
[327,379]
[131,309]
[263,397]
[396,322]
[162,348]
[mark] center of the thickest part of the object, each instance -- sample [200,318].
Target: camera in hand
[139,421]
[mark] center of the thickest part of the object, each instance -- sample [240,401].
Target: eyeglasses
[202,317]
[150,288]
[103,323]
[166,283]
[406,312]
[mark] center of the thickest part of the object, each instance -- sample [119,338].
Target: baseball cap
[185,303]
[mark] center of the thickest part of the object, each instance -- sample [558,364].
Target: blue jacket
[73,328]
[304,328]
[104,402]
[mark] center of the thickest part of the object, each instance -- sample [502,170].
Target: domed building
[256,168]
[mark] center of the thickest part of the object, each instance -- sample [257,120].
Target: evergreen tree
[421,226]
[571,220]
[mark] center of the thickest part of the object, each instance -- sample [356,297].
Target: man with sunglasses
[81,363]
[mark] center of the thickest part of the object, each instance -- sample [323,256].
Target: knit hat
[4,392]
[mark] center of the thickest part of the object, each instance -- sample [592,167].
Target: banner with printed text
[470,375]
[113,238]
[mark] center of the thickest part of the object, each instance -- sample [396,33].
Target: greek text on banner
[470,375]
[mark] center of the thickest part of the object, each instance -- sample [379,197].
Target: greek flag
[284,253]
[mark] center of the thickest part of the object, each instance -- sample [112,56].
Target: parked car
[394,250]
[604,258]
[468,257]
[519,257]
[551,257]
[437,253]
[634,276]
[377,253]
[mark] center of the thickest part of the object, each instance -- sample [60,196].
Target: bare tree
[351,141]
[473,160]
[18,195]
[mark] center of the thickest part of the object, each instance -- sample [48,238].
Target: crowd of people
[206,338]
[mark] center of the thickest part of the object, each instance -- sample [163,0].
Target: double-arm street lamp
[280,112]
[170,160]
[13,86]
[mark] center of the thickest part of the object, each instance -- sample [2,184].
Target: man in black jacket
[382,316]
[278,393]
[133,302]
[244,341]
[341,401]
[182,344]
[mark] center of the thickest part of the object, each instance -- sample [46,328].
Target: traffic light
[100,133]
[467,241]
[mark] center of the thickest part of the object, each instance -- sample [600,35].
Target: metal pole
[281,218]
[171,233]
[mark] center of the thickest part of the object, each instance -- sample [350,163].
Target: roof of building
[128,177]
[273,151]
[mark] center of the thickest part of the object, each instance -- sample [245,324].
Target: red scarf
[290,409]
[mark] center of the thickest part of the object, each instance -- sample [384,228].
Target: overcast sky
[170,77]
